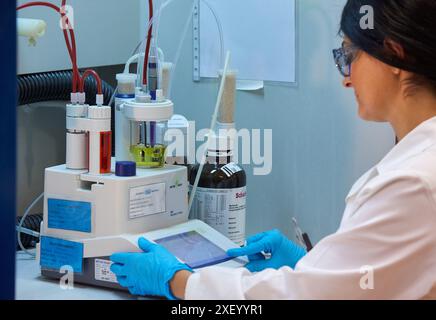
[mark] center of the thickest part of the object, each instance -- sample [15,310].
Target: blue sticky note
[56,253]
[69,215]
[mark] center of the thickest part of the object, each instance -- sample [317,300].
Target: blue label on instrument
[69,215]
[58,253]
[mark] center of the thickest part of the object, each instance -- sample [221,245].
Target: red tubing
[147,49]
[88,73]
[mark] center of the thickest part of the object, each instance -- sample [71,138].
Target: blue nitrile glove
[283,251]
[147,273]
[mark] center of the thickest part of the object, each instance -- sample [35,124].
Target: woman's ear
[397,50]
[396,71]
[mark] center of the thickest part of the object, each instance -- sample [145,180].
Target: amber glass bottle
[220,199]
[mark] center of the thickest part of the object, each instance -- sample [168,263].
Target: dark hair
[409,23]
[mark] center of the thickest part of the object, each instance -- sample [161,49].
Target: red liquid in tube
[105,152]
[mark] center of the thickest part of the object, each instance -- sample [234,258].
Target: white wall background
[106,32]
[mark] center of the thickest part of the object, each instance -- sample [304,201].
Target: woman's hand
[282,251]
[150,272]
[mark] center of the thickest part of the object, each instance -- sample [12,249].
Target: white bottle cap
[223,143]
[77,111]
[95,112]
[143,97]
[126,77]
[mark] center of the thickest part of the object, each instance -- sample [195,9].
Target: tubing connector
[74,98]
[81,98]
[99,100]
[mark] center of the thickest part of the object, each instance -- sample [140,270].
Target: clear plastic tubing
[156,21]
[185,32]
[179,49]
[132,59]
[142,52]
[212,127]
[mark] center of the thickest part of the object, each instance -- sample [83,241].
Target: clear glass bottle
[148,146]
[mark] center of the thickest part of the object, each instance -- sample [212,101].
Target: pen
[307,242]
[303,238]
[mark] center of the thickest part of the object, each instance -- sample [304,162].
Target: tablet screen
[194,249]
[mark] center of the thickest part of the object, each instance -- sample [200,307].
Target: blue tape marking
[56,253]
[69,215]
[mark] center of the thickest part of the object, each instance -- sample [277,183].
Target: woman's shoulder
[422,166]
[415,167]
[412,180]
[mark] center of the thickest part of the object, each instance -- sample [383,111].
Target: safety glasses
[344,57]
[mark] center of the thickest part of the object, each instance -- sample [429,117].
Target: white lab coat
[389,224]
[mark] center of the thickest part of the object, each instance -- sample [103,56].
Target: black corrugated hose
[56,85]
[32,222]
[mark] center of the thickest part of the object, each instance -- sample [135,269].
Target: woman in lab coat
[385,247]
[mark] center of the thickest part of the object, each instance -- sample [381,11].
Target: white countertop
[30,285]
